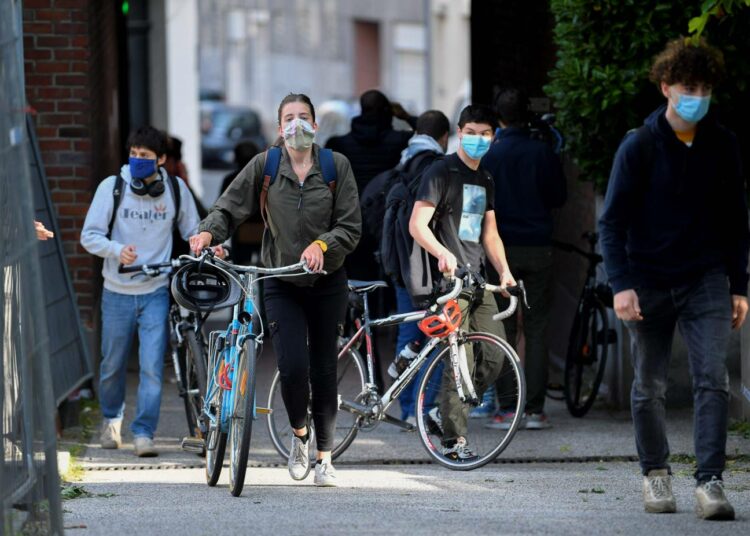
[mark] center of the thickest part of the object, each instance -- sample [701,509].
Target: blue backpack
[271,169]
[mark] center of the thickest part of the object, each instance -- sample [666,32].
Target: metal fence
[29,484]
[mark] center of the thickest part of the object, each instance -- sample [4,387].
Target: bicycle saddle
[363,287]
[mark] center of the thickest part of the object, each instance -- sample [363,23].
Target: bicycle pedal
[192,444]
[263,411]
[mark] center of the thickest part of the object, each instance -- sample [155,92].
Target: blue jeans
[703,313]
[407,332]
[121,315]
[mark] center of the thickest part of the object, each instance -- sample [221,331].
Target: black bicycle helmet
[204,287]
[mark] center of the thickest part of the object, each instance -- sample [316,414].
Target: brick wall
[62,66]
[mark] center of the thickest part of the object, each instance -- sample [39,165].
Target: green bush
[600,84]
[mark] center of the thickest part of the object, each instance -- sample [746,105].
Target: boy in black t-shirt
[467,234]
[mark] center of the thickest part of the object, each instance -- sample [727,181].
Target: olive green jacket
[297,214]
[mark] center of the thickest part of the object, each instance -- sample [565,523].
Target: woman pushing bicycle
[308,199]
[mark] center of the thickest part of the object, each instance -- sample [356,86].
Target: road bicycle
[187,349]
[441,366]
[590,336]
[229,407]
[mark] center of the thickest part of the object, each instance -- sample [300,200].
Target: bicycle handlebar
[516,292]
[152,270]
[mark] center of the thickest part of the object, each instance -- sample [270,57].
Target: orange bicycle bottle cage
[442,325]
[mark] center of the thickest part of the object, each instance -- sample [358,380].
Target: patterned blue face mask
[475,146]
[690,108]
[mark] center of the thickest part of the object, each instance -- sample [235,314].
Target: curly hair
[684,62]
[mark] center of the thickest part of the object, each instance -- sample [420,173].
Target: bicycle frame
[226,357]
[401,382]
[231,339]
[461,373]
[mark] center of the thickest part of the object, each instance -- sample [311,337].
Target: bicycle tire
[491,441]
[584,370]
[215,456]
[194,378]
[352,383]
[241,425]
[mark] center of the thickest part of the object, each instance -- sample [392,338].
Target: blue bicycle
[229,407]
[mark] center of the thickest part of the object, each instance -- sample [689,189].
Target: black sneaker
[460,451]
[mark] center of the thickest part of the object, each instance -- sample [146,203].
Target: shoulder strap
[328,168]
[270,170]
[116,198]
[175,186]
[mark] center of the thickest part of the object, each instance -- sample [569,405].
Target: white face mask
[299,134]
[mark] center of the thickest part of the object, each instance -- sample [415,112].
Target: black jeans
[304,325]
[533,265]
[703,313]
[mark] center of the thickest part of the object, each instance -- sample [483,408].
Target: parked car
[222,128]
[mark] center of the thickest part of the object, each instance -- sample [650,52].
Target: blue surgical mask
[141,168]
[690,108]
[475,146]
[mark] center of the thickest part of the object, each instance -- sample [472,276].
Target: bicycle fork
[461,372]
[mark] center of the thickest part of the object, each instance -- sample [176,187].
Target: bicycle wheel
[440,413]
[243,414]
[194,381]
[216,442]
[586,358]
[350,378]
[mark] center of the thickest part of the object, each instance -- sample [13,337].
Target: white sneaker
[711,502]
[110,436]
[144,447]
[657,492]
[325,474]
[299,458]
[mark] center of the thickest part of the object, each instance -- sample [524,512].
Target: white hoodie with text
[142,221]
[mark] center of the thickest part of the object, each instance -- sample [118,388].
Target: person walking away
[372,146]
[132,218]
[427,145]
[313,216]
[246,238]
[459,194]
[675,240]
[529,184]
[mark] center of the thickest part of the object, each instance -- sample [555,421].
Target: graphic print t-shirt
[461,196]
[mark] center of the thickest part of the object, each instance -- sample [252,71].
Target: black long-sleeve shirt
[529,182]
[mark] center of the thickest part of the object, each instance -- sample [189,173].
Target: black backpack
[174,188]
[403,260]
[373,197]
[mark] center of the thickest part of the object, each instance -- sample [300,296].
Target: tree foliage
[599,84]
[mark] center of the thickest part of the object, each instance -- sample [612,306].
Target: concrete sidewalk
[602,434]
[575,478]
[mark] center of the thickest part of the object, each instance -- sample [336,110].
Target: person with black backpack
[133,217]
[427,145]
[454,221]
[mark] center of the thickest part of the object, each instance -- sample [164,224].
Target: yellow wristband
[322,245]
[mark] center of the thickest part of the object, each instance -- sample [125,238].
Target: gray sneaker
[299,458]
[711,501]
[536,421]
[110,436]
[144,447]
[657,492]
[325,474]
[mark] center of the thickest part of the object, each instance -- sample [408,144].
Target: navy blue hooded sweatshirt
[673,213]
[529,182]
